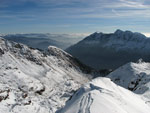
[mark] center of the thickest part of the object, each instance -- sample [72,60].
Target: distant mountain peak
[128,33]
[100,49]
[118,31]
[124,35]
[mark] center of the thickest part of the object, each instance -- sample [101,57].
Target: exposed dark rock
[24,95]
[28,103]
[1,51]
[40,91]
[4,96]
[18,46]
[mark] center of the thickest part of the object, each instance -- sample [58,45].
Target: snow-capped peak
[128,34]
[118,31]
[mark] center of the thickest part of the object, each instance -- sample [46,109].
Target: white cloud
[49,9]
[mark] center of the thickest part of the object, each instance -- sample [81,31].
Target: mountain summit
[109,51]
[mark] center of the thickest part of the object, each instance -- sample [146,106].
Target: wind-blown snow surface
[34,82]
[110,51]
[135,77]
[103,96]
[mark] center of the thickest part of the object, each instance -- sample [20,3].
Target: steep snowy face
[110,51]
[103,96]
[35,82]
[133,76]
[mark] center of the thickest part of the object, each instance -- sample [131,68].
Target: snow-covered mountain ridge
[110,51]
[120,40]
[135,77]
[101,95]
[35,82]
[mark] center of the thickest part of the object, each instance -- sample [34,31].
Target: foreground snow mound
[36,82]
[110,51]
[133,76]
[103,96]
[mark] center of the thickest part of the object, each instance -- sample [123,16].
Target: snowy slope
[133,76]
[103,96]
[110,51]
[36,82]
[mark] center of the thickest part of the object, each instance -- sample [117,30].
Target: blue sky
[74,16]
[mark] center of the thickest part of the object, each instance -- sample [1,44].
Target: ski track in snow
[85,104]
